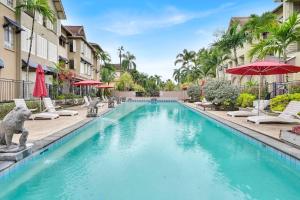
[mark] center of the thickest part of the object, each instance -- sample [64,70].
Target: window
[49,24]
[39,18]
[42,47]
[25,40]
[9,37]
[52,52]
[73,46]
[71,64]
[10,3]
[81,68]
[62,41]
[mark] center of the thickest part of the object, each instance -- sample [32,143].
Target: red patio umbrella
[40,89]
[262,68]
[87,83]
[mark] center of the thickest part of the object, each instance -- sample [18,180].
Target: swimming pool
[153,151]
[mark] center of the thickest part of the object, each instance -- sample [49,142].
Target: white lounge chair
[42,115]
[50,108]
[86,102]
[104,99]
[288,116]
[204,103]
[243,113]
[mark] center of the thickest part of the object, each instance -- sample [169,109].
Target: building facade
[52,44]
[283,11]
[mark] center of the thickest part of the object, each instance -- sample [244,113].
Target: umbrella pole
[259,93]
[41,104]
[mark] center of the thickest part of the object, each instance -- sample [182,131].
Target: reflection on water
[154,151]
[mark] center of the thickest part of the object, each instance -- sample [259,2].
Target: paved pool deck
[44,132]
[271,130]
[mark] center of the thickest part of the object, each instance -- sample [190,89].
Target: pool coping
[46,142]
[278,145]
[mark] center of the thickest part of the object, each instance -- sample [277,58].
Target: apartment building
[14,48]
[80,53]
[96,61]
[283,11]
[10,31]
[45,42]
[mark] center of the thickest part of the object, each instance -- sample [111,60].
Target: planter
[290,137]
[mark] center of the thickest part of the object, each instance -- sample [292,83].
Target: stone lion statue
[13,123]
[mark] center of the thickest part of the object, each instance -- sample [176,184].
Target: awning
[34,65]
[63,59]
[10,22]
[1,63]
[84,60]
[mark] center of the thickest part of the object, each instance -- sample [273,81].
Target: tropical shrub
[169,86]
[245,100]
[152,89]
[221,93]
[294,89]
[138,88]
[279,102]
[71,96]
[125,82]
[194,92]
[5,108]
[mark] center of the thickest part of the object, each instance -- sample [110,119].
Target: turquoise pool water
[144,151]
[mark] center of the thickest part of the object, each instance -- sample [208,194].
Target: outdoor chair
[51,108]
[263,104]
[289,115]
[42,115]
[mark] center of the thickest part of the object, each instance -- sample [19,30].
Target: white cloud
[130,23]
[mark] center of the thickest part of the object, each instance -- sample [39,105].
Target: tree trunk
[235,57]
[30,48]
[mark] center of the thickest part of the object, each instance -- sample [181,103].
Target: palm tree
[104,57]
[128,61]
[33,7]
[185,58]
[120,50]
[233,39]
[177,75]
[107,74]
[280,37]
[258,25]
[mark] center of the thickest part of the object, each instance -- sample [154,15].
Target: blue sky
[157,30]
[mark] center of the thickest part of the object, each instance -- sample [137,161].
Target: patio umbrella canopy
[87,83]
[262,68]
[40,89]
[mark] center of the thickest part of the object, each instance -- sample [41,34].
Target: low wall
[179,95]
[176,95]
[126,94]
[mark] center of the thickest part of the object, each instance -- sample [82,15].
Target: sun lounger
[50,108]
[204,103]
[42,115]
[243,113]
[86,102]
[289,115]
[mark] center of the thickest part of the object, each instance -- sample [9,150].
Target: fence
[270,90]
[11,89]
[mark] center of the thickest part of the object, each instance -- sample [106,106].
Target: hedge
[5,108]
[279,102]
